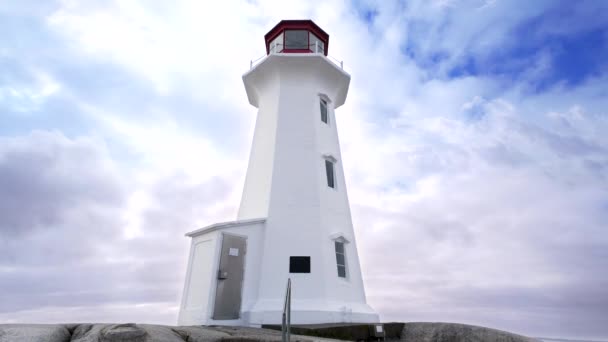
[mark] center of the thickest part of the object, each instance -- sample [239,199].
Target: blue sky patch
[365,11]
[561,46]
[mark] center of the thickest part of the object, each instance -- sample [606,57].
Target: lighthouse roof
[224,225]
[316,37]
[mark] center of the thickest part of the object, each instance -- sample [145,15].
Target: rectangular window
[341,259]
[329,170]
[299,264]
[296,40]
[323,105]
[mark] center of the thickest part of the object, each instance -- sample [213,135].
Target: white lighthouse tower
[294,220]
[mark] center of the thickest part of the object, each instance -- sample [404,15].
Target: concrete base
[311,312]
[359,313]
[311,317]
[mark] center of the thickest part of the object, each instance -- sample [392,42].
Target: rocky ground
[135,333]
[419,332]
[452,332]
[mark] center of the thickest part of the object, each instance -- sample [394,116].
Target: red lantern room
[296,36]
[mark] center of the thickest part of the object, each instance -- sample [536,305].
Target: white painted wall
[202,265]
[258,182]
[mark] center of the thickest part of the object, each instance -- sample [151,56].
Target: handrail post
[289,312]
[250,64]
[286,326]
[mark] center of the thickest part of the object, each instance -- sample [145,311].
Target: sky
[474,142]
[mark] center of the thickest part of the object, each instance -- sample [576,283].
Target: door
[230,278]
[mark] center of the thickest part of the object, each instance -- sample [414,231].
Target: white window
[324,117]
[340,259]
[331,173]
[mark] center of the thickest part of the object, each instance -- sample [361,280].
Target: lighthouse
[294,219]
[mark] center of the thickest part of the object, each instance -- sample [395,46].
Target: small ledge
[340,237]
[224,225]
[329,157]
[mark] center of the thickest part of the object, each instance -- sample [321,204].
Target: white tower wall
[258,182]
[304,215]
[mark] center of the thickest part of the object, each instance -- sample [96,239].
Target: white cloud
[26,98]
[70,203]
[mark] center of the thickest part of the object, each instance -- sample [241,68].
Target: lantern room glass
[316,44]
[296,41]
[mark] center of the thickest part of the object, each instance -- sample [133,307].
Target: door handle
[222,274]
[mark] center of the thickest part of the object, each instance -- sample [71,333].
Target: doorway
[230,278]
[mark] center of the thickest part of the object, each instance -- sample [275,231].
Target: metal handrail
[316,50]
[337,60]
[251,62]
[286,326]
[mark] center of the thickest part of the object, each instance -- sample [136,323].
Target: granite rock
[130,332]
[453,332]
[34,333]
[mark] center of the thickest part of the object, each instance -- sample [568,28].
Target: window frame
[323,98]
[332,162]
[343,254]
[341,266]
[323,103]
